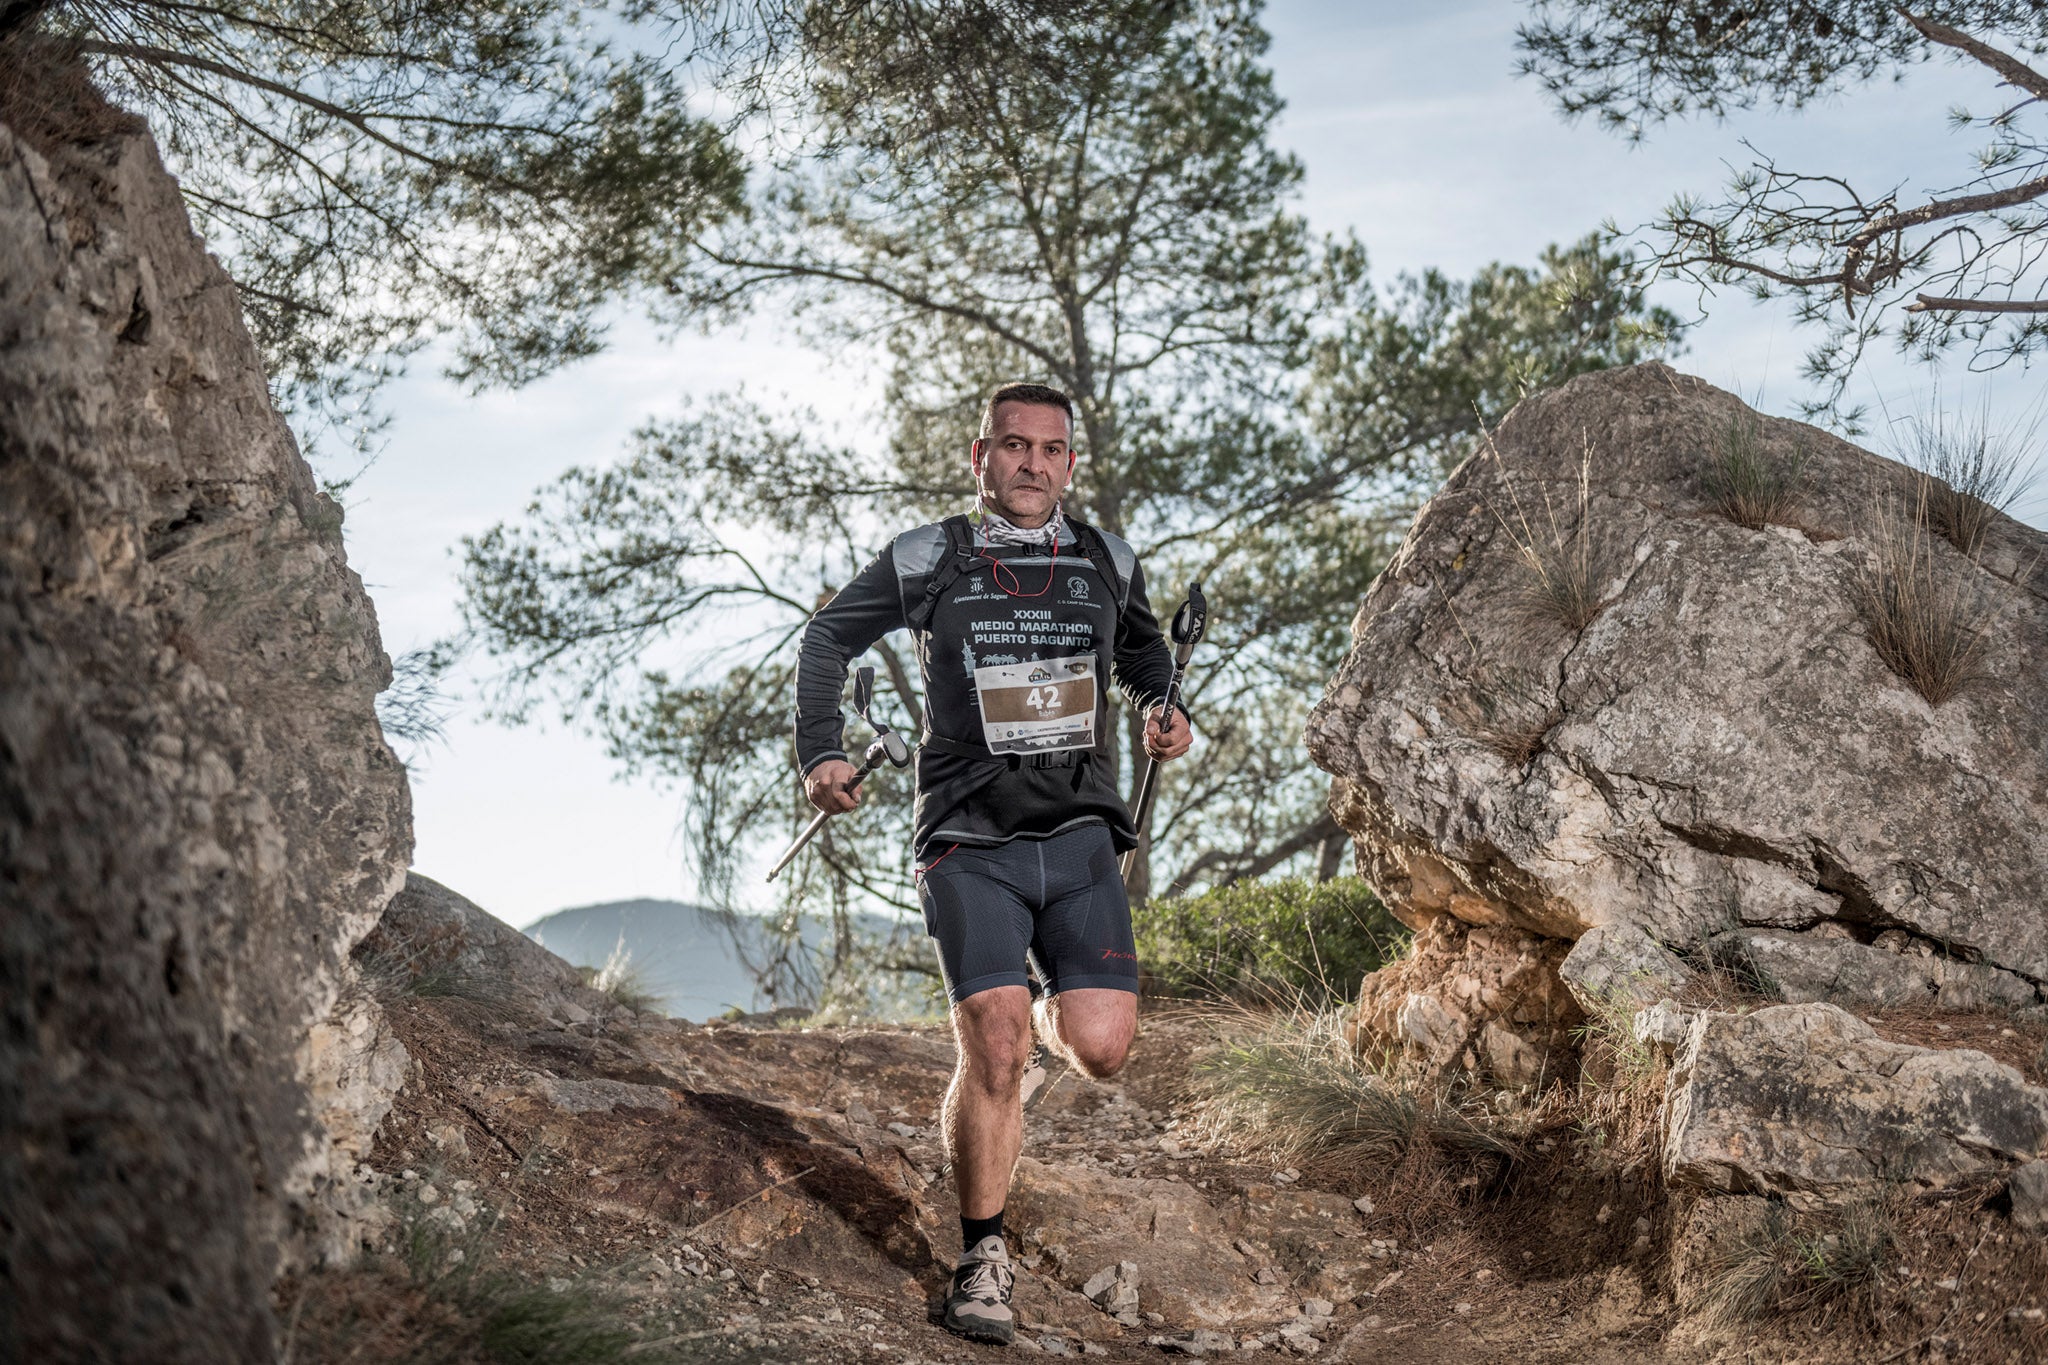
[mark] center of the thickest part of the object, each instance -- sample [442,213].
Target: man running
[1020,616]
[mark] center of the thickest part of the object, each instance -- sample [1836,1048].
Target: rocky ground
[748,1192]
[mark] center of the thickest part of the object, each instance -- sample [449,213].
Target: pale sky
[1414,132]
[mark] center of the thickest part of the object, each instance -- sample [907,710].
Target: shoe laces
[990,1279]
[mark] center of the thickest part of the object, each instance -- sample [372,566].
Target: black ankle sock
[972,1230]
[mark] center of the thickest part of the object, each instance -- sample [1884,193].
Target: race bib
[1037,707]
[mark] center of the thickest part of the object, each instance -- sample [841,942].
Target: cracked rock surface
[1808,1103]
[198,813]
[1718,748]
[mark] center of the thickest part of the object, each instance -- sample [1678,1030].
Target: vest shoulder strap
[1111,556]
[952,562]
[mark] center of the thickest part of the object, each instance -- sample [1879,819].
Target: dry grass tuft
[391,972]
[1751,486]
[1726,974]
[1564,571]
[1621,1078]
[1506,711]
[48,98]
[1290,1086]
[1794,1262]
[622,981]
[445,1289]
[1925,614]
[457,1263]
[1971,472]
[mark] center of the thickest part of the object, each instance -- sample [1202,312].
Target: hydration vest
[947,561]
[930,561]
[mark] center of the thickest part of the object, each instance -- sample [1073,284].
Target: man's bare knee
[994,1068]
[994,1033]
[1095,1028]
[1101,1060]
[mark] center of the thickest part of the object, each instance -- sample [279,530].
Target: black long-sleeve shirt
[1015,616]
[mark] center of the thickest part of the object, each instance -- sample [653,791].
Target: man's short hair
[1044,394]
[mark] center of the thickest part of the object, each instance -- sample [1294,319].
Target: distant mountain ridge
[689,956]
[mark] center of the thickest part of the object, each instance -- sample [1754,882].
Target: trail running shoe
[1040,1076]
[978,1304]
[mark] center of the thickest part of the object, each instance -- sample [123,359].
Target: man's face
[1024,465]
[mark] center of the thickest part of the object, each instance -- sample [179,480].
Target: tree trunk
[1330,858]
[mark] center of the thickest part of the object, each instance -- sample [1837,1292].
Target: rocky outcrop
[432,940]
[198,813]
[1471,1000]
[1806,1102]
[1713,747]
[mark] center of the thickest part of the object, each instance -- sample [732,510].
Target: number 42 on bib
[1039,706]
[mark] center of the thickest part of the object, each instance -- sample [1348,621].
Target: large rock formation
[198,813]
[1717,763]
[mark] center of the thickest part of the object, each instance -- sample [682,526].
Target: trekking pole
[1188,624]
[887,745]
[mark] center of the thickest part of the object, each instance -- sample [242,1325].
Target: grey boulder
[434,940]
[1717,746]
[2028,1190]
[1896,970]
[1809,1103]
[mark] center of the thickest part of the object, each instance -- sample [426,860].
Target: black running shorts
[1060,898]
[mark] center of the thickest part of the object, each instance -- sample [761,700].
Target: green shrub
[1289,939]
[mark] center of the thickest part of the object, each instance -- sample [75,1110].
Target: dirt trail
[747,1193]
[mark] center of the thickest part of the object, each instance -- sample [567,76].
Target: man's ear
[974,456]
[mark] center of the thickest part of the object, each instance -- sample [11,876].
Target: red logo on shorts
[1111,952]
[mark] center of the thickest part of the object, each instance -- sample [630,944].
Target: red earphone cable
[997,569]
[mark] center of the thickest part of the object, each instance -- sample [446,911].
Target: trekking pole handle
[1188,624]
[888,747]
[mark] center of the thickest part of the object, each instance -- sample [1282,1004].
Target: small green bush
[1287,939]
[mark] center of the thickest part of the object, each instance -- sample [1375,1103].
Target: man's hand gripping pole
[887,745]
[1188,624]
